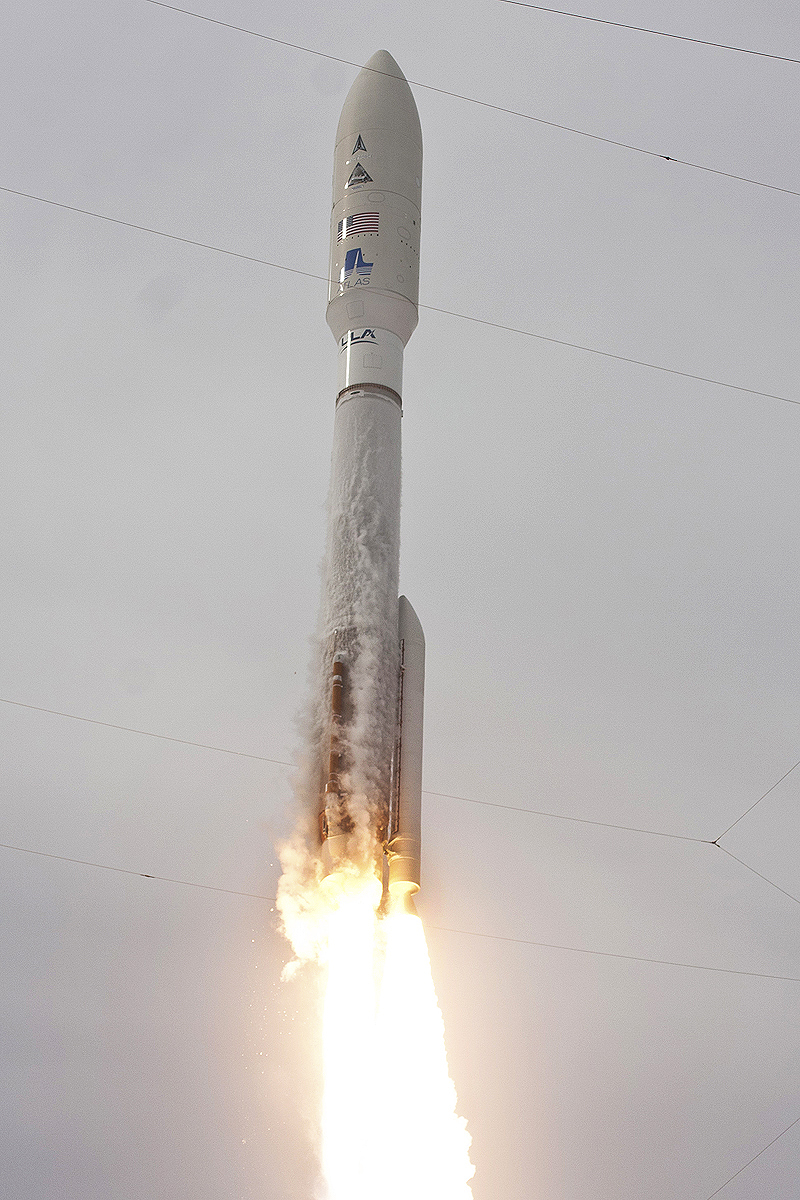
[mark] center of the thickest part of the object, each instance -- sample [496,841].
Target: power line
[534,812]
[758,801]
[753,1159]
[173,237]
[607,354]
[428,307]
[147,733]
[663,962]
[481,103]
[126,871]
[755,872]
[441,928]
[627,828]
[283,763]
[656,32]
[444,795]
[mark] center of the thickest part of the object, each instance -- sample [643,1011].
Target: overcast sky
[603,557]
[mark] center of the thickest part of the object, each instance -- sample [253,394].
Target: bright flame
[349,1048]
[390,1127]
[428,1144]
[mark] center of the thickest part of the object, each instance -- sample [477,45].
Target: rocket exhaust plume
[389,1111]
[352,867]
[432,1160]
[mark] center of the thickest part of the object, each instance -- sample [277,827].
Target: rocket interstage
[374,661]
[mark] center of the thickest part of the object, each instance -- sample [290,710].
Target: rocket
[373,648]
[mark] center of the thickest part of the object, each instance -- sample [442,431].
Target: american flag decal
[358,224]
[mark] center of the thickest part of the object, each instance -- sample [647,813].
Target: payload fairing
[374,646]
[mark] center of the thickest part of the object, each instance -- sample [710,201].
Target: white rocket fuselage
[375,646]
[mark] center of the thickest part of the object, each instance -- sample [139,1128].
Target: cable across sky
[678,37]
[441,928]
[512,112]
[444,795]
[598,554]
[86,212]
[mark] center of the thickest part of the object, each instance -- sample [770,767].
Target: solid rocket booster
[371,795]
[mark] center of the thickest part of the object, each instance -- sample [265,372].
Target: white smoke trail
[361,582]
[359,611]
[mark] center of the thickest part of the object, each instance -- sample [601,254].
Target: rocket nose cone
[382,61]
[380,98]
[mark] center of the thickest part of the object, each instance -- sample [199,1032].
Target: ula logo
[356,337]
[355,271]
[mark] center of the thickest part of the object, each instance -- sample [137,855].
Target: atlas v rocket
[374,649]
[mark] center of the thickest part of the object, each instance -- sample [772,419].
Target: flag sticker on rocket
[359,175]
[357,224]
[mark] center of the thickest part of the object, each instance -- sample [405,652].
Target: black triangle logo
[359,175]
[359,145]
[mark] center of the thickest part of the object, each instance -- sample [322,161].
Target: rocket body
[373,660]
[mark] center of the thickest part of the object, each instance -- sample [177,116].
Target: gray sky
[602,555]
